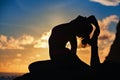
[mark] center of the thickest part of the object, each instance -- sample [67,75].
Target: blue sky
[21,15]
[24,24]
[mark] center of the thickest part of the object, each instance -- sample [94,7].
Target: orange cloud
[12,43]
[107,2]
[106,37]
[25,39]
[42,42]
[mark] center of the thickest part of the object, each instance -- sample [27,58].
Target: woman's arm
[73,42]
[95,61]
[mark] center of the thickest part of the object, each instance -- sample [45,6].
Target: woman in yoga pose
[61,34]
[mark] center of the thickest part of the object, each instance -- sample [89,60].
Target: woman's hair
[82,25]
[83,28]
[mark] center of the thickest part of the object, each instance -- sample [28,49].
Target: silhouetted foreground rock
[44,70]
[70,69]
[108,71]
[57,71]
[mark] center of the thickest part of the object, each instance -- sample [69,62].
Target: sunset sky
[25,26]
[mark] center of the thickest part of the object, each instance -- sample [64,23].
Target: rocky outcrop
[73,70]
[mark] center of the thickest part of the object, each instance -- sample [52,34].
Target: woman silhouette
[61,34]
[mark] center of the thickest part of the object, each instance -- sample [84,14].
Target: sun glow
[18,53]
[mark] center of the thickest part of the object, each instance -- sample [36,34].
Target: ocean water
[9,76]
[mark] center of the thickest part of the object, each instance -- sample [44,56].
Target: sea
[9,76]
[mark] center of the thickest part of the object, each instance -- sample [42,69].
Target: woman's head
[86,33]
[83,28]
